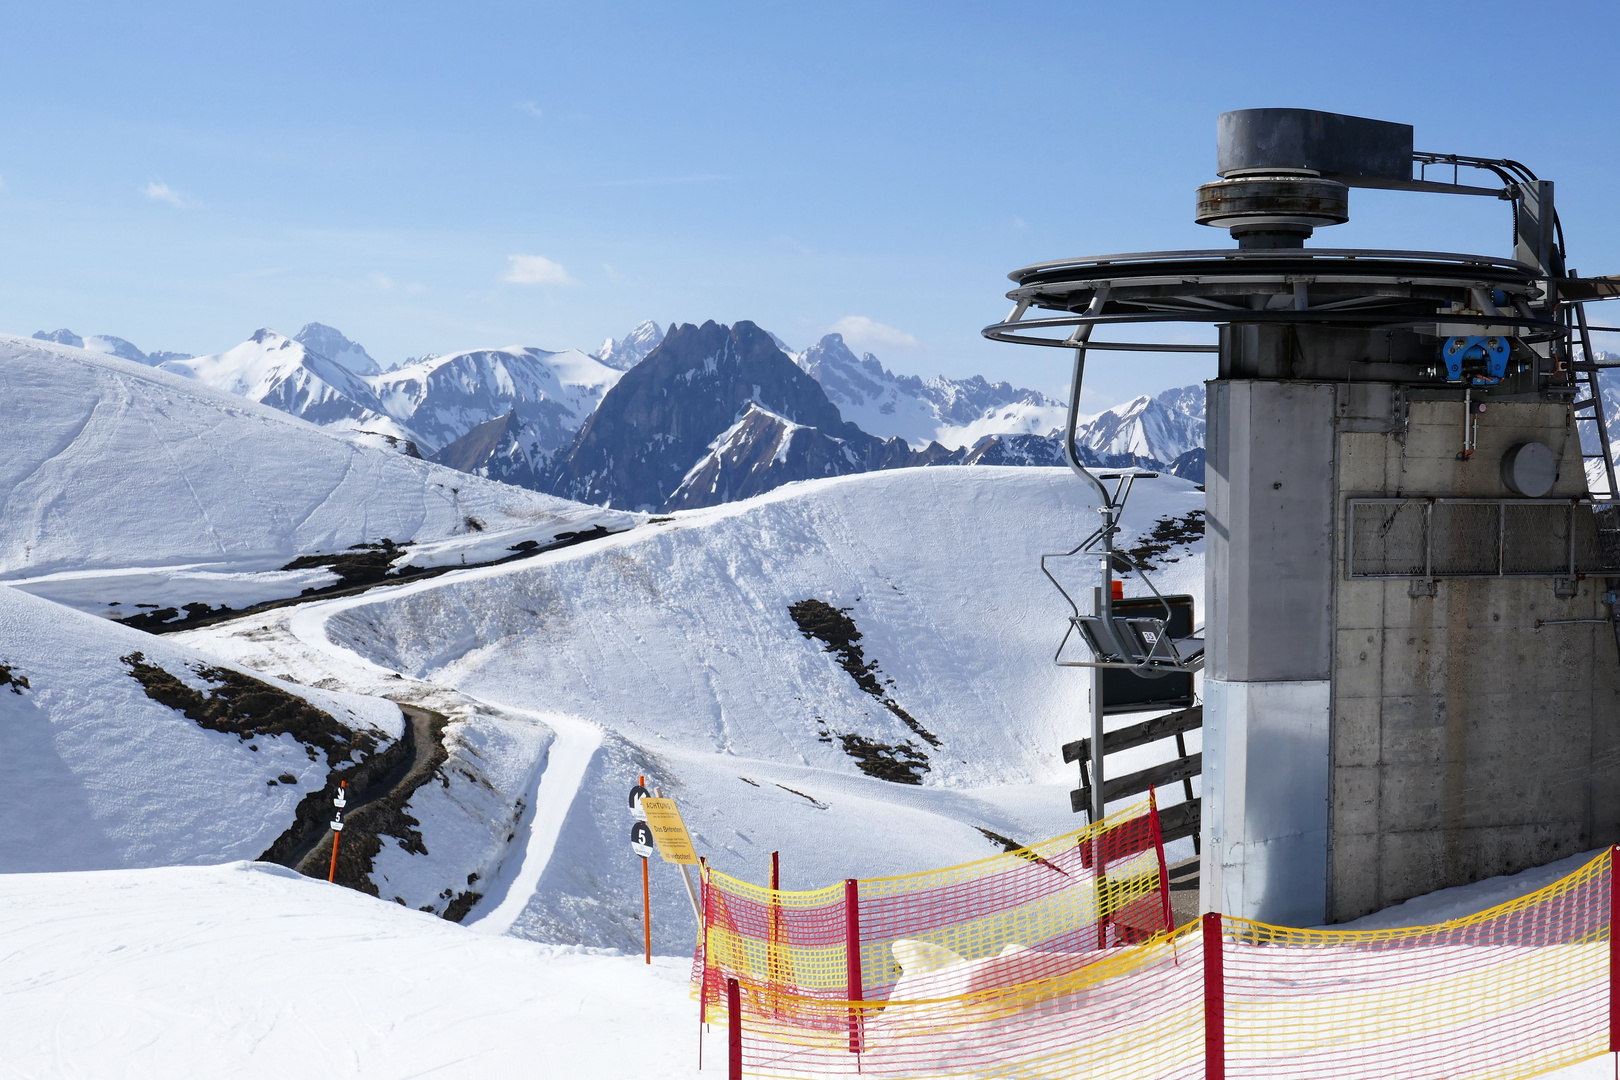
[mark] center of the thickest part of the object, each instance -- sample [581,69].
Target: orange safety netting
[1043,964]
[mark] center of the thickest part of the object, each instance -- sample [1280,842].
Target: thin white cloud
[532,109]
[863,333]
[534,270]
[162,192]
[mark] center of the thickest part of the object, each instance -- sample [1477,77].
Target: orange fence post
[852,959]
[1214,1000]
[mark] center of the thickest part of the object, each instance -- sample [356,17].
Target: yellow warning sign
[669,831]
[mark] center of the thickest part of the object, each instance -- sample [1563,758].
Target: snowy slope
[445,397]
[94,774]
[250,971]
[113,467]
[674,645]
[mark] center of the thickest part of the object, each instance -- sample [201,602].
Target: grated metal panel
[1444,537]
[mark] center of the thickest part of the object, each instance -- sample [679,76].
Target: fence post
[1614,951]
[1164,871]
[734,1037]
[774,975]
[1214,1000]
[852,959]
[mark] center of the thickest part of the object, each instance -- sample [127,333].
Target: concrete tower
[1412,678]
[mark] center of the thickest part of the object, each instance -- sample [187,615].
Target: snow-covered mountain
[1162,427]
[952,412]
[708,401]
[285,374]
[112,346]
[626,352]
[443,398]
[333,345]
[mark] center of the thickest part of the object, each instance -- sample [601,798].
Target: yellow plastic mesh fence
[1037,965]
[1512,991]
[900,974]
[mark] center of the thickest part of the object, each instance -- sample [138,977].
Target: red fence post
[774,975]
[734,1037]
[1214,1000]
[852,959]
[1614,952]
[1164,871]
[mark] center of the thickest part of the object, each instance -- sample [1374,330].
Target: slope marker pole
[340,801]
[646,902]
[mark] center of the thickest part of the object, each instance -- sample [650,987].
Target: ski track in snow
[550,798]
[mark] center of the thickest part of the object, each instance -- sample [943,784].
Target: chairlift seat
[1139,641]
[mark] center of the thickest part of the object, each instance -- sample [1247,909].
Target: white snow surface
[96,775]
[114,466]
[250,971]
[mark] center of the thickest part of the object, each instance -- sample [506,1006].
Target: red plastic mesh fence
[994,970]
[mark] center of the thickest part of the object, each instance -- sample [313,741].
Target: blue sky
[183,174]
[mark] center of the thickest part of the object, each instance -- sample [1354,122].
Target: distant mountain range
[671,419]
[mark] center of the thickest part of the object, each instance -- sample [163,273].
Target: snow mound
[114,465]
[94,774]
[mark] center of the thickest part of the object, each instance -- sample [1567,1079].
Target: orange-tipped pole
[337,827]
[646,897]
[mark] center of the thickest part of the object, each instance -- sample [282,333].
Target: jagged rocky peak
[666,413]
[628,351]
[330,343]
[109,345]
[953,412]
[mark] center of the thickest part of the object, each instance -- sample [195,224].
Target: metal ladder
[1590,408]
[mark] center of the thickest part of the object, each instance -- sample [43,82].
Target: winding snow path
[550,793]
[551,796]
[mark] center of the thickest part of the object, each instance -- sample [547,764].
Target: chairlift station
[1411,665]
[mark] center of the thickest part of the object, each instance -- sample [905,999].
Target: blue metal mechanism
[1491,352]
